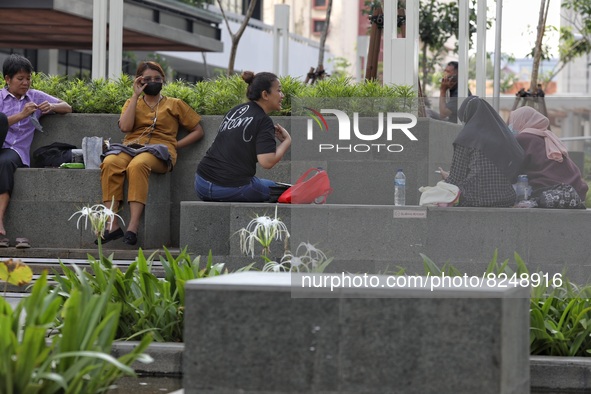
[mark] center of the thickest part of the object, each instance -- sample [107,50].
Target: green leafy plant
[149,304]
[154,305]
[560,319]
[560,310]
[216,96]
[223,93]
[48,345]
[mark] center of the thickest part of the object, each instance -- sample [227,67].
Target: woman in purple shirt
[22,106]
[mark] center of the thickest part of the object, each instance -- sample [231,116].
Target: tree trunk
[236,37]
[375,36]
[323,37]
[544,4]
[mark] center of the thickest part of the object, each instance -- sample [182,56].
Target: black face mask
[153,88]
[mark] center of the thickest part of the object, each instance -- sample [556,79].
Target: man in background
[448,93]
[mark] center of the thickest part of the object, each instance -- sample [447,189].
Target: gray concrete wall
[379,239]
[44,199]
[260,339]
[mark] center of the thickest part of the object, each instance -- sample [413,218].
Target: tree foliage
[438,22]
[508,79]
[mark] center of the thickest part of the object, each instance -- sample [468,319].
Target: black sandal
[110,236]
[130,238]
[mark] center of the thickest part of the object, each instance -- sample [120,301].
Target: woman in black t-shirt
[245,137]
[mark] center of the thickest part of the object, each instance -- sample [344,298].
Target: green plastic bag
[72,165]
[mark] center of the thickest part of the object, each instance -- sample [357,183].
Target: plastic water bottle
[400,188]
[522,189]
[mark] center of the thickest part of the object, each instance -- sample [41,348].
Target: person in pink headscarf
[547,163]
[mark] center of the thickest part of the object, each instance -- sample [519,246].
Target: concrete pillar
[99,39]
[362,47]
[281,40]
[463,44]
[497,61]
[115,38]
[481,48]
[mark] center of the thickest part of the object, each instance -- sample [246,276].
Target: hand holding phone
[444,174]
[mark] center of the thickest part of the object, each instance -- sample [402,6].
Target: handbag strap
[305,174]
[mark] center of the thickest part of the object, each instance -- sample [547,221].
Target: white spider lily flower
[275,267]
[264,230]
[85,212]
[312,259]
[98,215]
[312,255]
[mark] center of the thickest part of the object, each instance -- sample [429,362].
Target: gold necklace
[152,106]
[147,132]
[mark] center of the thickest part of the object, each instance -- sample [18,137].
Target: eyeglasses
[148,79]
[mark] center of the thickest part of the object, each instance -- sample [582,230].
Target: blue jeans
[256,191]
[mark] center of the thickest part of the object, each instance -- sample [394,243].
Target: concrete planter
[546,373]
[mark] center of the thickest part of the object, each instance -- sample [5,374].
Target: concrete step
[53,255]
[382,238]
[48,260]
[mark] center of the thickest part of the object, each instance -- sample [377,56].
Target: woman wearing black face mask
[150,122]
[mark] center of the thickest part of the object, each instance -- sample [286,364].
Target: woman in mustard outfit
[150,122]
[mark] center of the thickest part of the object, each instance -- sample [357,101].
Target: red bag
[306,191]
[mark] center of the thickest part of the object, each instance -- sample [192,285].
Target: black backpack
[53,155]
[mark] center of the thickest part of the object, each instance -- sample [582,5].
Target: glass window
[318,26]
[319,3]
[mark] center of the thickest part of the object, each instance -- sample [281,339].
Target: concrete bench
[44,198]
[250,333]
[381,238]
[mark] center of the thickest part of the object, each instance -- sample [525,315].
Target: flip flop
[4,242]
[22,243]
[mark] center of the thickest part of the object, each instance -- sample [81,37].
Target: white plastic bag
[92,149]
[443,194]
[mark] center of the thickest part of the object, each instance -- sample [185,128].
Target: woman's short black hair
[15,63]
[257,84]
